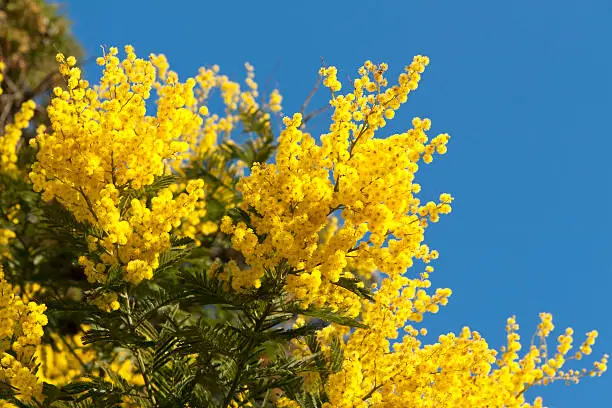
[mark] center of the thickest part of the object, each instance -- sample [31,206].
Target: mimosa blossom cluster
[21,330]
[366,181]
[11,137]
[369,183]
[102,145]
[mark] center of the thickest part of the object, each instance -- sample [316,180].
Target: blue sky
[523,87]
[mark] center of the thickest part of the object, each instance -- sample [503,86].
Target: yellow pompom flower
[102,144]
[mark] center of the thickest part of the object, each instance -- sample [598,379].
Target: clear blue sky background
[523,87]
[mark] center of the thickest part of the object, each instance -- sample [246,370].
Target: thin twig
[310,95]
[315,113]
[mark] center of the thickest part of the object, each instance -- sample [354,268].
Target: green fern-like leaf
[356,286]
[327,315]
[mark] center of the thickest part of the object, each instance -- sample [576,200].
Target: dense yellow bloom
[9,139]
[21,330]
[457,371]
[238,102]
[368,181]
[103,145]
[7,234]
